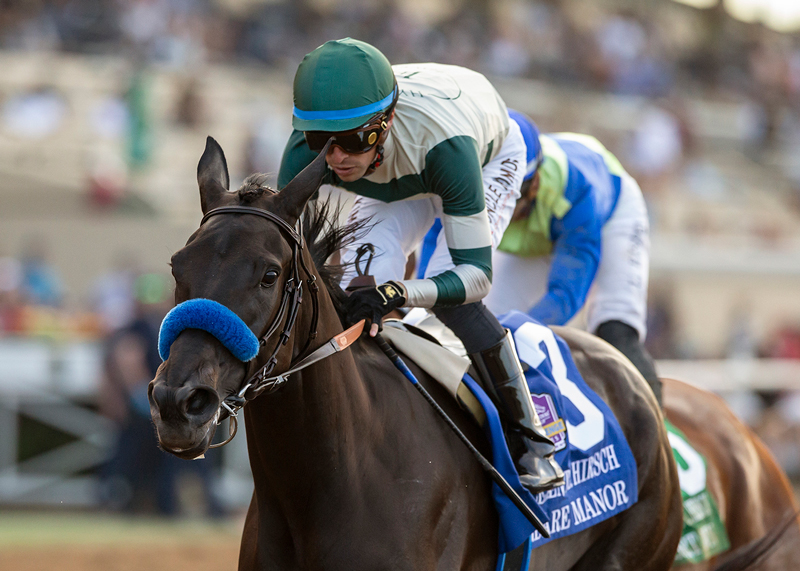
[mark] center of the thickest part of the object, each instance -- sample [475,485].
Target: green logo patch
[704,535]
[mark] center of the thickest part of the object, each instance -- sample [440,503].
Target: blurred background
[104,110]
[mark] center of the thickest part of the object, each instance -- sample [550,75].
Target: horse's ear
[304,185]
[212,175]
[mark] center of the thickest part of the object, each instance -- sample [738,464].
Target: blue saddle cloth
[598,464]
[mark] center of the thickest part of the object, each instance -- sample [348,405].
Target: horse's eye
[270,277]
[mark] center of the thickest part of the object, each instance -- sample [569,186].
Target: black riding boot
[531,450]
[626,339]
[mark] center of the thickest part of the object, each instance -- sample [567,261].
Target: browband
[258,212]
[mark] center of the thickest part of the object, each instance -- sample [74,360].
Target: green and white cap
[340,86]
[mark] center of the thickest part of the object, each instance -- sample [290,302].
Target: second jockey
[581,222]
[416,142]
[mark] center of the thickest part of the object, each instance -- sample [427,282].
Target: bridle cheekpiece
[262,380]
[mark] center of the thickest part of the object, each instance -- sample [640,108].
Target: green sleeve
[453,171]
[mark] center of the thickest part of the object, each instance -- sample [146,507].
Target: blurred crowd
[33,297]
[624,47]
[124,313]
[662,51]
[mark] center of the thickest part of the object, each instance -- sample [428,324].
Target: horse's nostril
[200,402]
[158,394]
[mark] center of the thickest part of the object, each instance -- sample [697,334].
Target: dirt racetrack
[86,542]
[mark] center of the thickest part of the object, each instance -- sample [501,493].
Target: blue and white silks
[214,318]
[600,470]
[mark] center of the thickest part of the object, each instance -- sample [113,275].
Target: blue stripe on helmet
[345,113]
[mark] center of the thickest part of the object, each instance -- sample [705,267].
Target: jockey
[416,142]
[581,220]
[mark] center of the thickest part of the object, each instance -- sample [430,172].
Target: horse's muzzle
[184,417]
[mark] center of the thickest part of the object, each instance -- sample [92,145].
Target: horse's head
[242,262]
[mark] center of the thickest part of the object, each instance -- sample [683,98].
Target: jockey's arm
[453,172]
[576,256]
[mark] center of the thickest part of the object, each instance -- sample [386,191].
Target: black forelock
[253,188]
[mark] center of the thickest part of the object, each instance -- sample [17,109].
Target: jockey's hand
[372,303]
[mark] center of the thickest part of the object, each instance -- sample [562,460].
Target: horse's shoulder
[687,406]
[710,426]
[389,384]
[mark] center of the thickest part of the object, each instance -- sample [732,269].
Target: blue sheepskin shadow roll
[214,318]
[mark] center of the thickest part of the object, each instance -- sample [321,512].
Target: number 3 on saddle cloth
[599,467]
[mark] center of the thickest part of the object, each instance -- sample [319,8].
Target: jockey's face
[529,190]
[350,167]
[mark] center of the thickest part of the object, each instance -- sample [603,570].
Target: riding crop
[496,476]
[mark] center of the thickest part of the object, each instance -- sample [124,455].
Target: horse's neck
[320,421]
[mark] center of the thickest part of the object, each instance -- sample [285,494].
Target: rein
[289,308]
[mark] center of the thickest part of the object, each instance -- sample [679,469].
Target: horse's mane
[325,236]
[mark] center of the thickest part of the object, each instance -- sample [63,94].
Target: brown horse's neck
[349,463]
[317,424]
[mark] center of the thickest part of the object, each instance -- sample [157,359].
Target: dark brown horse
[352,468]
[751,491]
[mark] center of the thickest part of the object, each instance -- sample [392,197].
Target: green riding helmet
[341,85]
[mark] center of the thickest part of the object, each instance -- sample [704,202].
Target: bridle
[291,299]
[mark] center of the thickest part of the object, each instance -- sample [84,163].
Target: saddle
[599,467]
[426,341]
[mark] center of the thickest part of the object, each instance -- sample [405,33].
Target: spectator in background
[779,425]
[10,295]
[35,113]
[41,282]
[656,147]
[264,145]
[621,41]
[189,111]
[113,293]
[769,72]
[138,472]
[140,122]
[742,342]
[660,341]
[137,467]
[785,343]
